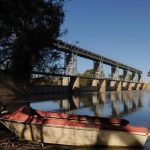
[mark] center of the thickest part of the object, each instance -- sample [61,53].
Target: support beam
[133,77]
[134,86]
[102,86]
[138,86]
[125,85]
[75,84]
[112,84]
[126,75]
[139,77]
[119,86]
[95,82]
[98,70]
[65,81]
[129,86]
[70,64]
[115,73]
[66,47]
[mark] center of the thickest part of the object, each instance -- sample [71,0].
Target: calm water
[131,105]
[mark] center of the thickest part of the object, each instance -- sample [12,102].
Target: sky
[118,29]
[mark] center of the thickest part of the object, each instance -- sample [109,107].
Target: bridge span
[72,51]
[70,81]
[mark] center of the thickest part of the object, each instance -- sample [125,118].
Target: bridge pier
[111,85]
[126,76]
[118,85]
[102,86]
[98,70]
[75,84]
[125,85]
[134,86]
[95,82]
[72,82]
[138,86]
[65,81]
[139,77]
[70,64]
[115,72]
[129,86]
[133,76]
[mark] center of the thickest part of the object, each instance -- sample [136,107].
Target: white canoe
[60,128]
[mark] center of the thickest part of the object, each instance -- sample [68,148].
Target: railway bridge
[129,80]
[71,81]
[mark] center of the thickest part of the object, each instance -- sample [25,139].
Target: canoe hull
[76,136]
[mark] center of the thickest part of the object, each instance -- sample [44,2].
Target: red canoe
[61,128]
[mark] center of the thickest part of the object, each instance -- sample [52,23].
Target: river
[131,105]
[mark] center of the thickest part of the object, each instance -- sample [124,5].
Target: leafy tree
[87,74]
[27,30]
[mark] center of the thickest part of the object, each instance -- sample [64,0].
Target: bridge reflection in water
[110,104]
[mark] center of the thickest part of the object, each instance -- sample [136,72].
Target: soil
[9,141]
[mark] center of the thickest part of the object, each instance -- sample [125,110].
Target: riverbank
[9,141]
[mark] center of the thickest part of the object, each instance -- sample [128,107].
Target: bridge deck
[66,47]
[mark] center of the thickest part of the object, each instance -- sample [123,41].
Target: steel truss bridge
[72,51]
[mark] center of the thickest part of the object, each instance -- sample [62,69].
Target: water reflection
[111,104]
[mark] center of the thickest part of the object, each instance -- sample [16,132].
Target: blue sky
[119,29]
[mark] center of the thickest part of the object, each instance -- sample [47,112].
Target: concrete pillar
[129,86]
[134,85]
[75,83]
[119,86]
[102,86]
[142,86]
[112,83]
[138,86]
[124,85]
[95,82]
[65,81]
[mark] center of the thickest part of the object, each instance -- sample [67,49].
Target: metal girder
[70,48]
[70,64]
[126,75]
[139,77]
[135,77]
[98,70]
[115,73]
